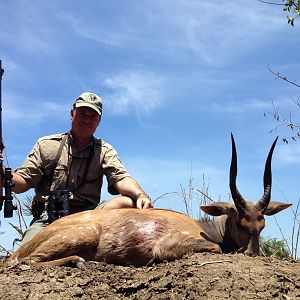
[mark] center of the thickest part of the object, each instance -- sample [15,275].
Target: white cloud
[289,153]
[246,105]
[228,29]
[88,29]
[31,112]
[138,91]
[215,32]
[27,28]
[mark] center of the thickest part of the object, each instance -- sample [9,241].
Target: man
[76,161]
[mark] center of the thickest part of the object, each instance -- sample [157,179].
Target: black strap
[87,166]
[58,154]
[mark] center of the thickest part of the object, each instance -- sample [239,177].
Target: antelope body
[139,237]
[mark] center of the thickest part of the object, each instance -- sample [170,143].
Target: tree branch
[283,77]
[272,3]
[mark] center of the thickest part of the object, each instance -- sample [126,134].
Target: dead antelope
[139,237]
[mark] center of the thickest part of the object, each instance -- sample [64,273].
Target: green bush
[274,247]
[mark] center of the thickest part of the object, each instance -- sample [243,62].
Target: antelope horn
[265,200]
[239,201]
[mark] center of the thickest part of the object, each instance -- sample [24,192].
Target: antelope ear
[219,208]
[275,207]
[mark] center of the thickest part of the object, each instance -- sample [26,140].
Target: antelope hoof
[80,264]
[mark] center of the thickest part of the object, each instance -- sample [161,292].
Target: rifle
[5,173]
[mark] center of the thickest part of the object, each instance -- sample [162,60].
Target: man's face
[85,121]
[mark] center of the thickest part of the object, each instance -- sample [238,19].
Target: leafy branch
[290,6]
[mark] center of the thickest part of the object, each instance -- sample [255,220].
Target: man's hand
[20,185]
[128,187]
[143,201]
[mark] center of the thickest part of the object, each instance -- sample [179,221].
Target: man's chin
[85,132]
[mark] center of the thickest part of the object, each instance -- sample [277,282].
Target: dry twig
[214,262]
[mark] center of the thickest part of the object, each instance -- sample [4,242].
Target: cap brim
[90,106]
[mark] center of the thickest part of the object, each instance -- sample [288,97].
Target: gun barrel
[5,175]
[1,143]
[1,74]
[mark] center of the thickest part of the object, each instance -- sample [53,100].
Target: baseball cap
[89,100]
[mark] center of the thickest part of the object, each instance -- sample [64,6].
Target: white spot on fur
[185,232]
[148,228]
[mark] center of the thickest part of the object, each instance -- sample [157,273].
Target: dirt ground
[196,276]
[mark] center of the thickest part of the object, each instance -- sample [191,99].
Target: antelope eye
[260,218]
[247,218]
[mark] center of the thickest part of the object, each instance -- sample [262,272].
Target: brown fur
[120,236]
[138,237]
[234,231]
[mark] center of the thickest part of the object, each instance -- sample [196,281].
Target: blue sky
[176,78]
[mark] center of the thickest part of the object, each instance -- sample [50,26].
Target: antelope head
[250,215]
[241,222]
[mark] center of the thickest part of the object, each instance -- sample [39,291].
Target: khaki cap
[89,100]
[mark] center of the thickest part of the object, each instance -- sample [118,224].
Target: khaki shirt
[70,169]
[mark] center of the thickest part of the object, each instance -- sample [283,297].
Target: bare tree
[282,119]
[292,7]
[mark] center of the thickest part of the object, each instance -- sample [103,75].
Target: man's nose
[88,118]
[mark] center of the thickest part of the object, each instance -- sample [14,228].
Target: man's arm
[20,185]
[129,187]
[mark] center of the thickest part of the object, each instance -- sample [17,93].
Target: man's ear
[71,113]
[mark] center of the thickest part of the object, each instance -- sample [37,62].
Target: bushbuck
[139,237]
